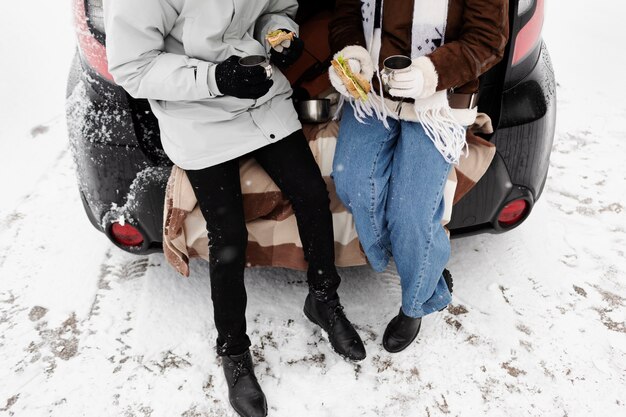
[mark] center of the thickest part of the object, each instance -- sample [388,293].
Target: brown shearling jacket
[477,32]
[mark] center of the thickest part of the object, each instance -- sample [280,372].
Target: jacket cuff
[360,54]
[206,72]
[431,78]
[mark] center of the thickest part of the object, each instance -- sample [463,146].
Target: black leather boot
[343,336]
[447,276]
[401,332]
[244,392]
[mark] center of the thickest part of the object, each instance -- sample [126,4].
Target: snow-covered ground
[537,326]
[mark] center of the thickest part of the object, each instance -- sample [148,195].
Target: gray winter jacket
[167,50]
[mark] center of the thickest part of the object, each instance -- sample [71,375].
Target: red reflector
[528,37]
[513,212]
[126,235]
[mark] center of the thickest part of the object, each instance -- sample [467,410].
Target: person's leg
[218,191]
[291,165]
[415,207]
[361,171]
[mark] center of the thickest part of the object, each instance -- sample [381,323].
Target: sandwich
[356,85]
[276,37]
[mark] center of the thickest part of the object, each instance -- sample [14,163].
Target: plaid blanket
[273,238]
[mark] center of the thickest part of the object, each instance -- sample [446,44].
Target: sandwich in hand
[356,85]
[276,37]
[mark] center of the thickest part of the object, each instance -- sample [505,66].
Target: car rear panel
[123,170]
[526,131]
[520,97]
[122,175]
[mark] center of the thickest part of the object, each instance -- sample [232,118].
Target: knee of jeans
[351,190]
[411,213]
[410,217]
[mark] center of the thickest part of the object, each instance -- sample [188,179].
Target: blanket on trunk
[273,238]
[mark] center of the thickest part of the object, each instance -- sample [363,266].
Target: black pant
[290,163]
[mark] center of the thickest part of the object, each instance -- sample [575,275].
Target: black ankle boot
[447,277]
[401,332]
[244,392]
[343,336]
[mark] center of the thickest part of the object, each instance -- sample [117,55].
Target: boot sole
[347,358]
[241,415]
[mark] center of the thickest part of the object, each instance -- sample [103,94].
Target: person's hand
[336,80]
[360,62]
[238,81]
[407,84]
[287,52]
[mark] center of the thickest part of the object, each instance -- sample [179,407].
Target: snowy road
[537,326]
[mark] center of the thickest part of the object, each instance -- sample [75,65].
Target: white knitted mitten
[420,81]
[360,63]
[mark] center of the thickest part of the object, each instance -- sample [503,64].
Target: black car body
[123,171]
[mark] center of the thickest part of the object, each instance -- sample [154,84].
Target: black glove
[288,55]
[242,82]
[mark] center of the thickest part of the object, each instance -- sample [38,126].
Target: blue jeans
[392,182]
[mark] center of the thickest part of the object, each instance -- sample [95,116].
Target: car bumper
[523,142]
[118,178]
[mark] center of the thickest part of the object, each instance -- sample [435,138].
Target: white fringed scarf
[434,113]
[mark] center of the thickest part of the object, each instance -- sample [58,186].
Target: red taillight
[529,36]
[92,51]
[513,212]
[126,235]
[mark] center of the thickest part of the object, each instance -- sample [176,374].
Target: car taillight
[88,19]
[126,235]
[513,213]
[529,36]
